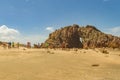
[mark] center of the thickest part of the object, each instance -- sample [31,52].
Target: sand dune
[50,64]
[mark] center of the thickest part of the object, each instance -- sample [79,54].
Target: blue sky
[35,19]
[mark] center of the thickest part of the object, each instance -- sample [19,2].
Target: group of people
[33,46]
[11,45]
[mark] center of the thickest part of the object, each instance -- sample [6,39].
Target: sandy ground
[49,64]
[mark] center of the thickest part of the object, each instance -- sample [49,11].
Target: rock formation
[80,37]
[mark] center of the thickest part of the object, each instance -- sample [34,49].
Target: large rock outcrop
[80,37]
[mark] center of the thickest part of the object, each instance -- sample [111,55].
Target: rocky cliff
[76,36]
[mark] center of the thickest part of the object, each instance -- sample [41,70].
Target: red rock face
[81,37]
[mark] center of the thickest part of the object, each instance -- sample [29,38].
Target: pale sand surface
[44,64]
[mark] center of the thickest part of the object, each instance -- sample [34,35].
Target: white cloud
[114,31]
[36,38]
[51,29]
[8,34]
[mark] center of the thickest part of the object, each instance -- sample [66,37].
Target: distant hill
[76,36]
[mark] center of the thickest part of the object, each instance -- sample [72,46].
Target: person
[18,44]
[13,44]
[4,45]
[38,45]
[28,45]
[9,45]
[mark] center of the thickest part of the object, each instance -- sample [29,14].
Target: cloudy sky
[33,20]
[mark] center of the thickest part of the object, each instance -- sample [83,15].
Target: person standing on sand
[9,45]
[28,45]
[13,44]
[38,45]
[4,45]
[18,44]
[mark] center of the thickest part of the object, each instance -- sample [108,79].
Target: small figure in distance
[28,45]
[18,45]
[4,45]
[13,44]
[9,45]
